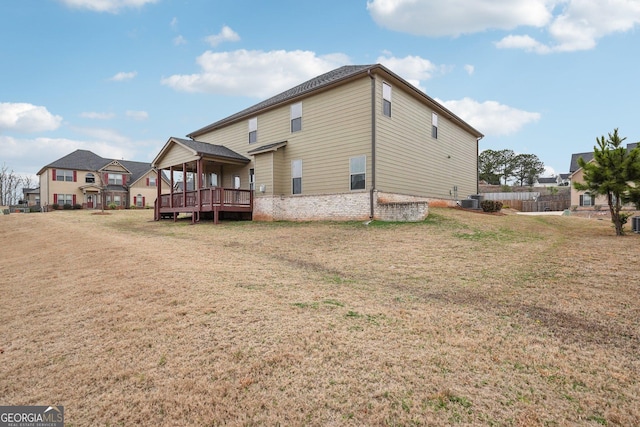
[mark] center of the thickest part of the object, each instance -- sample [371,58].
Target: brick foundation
[340,207]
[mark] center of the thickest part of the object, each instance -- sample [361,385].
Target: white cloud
[522,42]
[24,117]
[111,6]
[138,115]
[179,40]
[456,17]
[549,172]
[174,23]
[491,117]
[254,73]
[225,35]
[97,116]
[568,25]
[470,69]
[123,76]
[412,68]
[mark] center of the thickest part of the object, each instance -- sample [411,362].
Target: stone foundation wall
[340,207]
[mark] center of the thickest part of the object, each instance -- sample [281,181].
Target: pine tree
[612,173]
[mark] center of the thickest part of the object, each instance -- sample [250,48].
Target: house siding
[150,193]
[411,161]
[578,176]
[335,126]
[175,156]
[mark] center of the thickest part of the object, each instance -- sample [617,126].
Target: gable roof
[89,161]
[206,149]
[325,81]
[574,160]
[589,156]
[552,180]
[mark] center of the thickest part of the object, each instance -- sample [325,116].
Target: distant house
[31,196]
[554,181]
[84,178]
[357,142]
[546,182]
[584,199]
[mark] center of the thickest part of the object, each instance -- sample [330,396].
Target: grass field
[464,319]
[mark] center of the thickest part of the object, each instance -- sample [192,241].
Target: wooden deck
[215,200]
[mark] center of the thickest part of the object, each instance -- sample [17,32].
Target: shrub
[77,206]
[491,205]
[55,206]
[34,208]
[113,206]
[67,206]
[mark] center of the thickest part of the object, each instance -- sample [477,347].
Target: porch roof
[199,150]
[267,148]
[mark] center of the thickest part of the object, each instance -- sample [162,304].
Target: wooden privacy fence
[531,201]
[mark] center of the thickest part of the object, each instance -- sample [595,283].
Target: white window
[252,179]
[296,177]
[89,178]
[236,182]
[115,179]
[296,117]
[357,172]
[213,180]
[152,182]
[139,200]
[117,200]
[434,125]
[253,130]
[64,175]
[586,200]
[386,99]
[65,199]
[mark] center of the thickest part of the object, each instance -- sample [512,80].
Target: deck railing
[209,197]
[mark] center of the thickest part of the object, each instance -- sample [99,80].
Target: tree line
[11,185]
[498,167]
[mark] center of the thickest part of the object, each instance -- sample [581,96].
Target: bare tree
[9,186]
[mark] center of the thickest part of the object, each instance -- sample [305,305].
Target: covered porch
[196,172]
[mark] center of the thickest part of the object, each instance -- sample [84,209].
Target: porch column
[184,185]
[172,186]
[198,184]
[159,192]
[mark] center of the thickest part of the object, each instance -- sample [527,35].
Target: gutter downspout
[373,144]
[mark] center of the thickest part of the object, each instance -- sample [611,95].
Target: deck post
[171,189]
[158,203]
[198,185]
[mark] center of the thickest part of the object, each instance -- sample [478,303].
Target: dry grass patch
[462,319]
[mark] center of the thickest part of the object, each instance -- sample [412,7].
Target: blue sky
[119,77]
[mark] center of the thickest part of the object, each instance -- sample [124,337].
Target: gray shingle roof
[324,81]
[308,86]
[589,156]
[574,160]
[204,148]
[88,161]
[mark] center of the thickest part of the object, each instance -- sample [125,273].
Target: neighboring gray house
[357,142]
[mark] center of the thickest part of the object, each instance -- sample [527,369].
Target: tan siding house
[358,142]
[84,179]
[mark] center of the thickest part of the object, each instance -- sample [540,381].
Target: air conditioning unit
[469,204]
[635,224]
